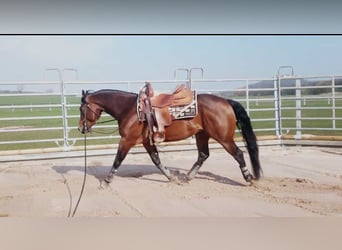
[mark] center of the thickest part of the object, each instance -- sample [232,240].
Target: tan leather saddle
[155,108]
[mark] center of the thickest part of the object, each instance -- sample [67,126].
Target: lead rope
[85,167]
[84,177]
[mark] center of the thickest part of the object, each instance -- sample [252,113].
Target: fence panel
[45,114]
[310,106]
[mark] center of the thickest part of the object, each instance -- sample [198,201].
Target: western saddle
[155,108]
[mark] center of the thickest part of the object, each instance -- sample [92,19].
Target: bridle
[85,128]
[85,107]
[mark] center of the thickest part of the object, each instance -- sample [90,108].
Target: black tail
[244,124]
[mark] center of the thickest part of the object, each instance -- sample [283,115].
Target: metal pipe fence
[45,114]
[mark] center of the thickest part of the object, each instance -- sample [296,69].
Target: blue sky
[25,58]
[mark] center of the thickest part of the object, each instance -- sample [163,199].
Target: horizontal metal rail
[31,141]
[29,94]
[15,130]
[30,106]
[31,118]
[308,129]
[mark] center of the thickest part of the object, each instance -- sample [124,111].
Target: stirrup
[158,137]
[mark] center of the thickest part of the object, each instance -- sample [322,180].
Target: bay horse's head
[90,112]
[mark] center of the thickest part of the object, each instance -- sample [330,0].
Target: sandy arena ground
[297,182]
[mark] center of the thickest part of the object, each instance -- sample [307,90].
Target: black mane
[111,91]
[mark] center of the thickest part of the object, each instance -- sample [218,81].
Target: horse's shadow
[143,171]
[101,172]
[206,175]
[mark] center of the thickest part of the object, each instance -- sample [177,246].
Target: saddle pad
[176,112]
[183,112]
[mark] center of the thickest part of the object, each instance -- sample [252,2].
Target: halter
[84,114]
[84,121]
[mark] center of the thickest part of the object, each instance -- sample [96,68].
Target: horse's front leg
[153,152]
[123,149]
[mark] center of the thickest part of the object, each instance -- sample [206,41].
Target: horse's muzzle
[84,129]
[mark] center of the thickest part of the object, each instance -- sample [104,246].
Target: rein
[104,133]
[106,121]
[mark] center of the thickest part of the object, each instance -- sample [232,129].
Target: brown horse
[217,118]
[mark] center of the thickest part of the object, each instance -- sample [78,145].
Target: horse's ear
[84,95]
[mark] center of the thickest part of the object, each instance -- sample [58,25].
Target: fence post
[298,135]
[333,105]
[247,97]
[63,108]
[64,116]
[277,105]
[187,75]
[66,145]
[277,95]
[190,75]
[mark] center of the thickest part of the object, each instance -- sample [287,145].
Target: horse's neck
[118,104]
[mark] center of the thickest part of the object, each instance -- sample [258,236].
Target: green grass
[307,125]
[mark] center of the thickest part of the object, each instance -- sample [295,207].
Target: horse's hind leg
[238,156]
[153,152]
[203,153]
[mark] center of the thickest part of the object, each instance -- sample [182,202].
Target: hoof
[172,178]
[104,185]
[108,180]
[249,178]
[175,180]
[189,177]
[158,137]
